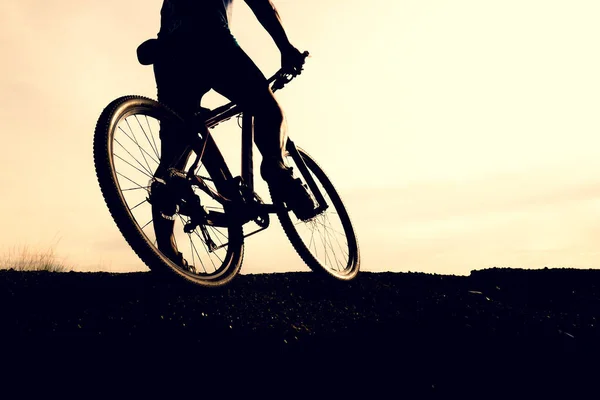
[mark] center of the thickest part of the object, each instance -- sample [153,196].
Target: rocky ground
[502,330]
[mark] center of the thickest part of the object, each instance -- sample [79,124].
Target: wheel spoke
[146,135]
[326,245]
[327,230]
[136,188]
[138,204]
[323,242]
[208,251]
[131,155]
[216,236]
[199,258]
[152,136]
[219,232]
[138,145]
[132,166]
[146,224]
[192,249]
[141,148]
[328,235]
[338,242]
[312,236]
[132,181]
[334,230]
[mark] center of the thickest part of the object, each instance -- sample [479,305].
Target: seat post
[247,142]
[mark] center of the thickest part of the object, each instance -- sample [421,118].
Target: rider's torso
[192,17]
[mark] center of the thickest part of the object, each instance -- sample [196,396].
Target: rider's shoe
[163,229]
[281,180]
[162,209]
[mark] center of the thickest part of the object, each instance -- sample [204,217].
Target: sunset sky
[461,134]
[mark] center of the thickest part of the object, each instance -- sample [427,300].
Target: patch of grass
[26,259]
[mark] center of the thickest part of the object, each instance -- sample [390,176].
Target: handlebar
[282,78]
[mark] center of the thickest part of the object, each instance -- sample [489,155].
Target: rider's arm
[267,15]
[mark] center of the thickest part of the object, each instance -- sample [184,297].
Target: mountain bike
[212,210]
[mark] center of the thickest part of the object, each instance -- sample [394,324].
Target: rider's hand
[292,60]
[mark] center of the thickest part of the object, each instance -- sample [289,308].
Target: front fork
[308,178]
[247,167]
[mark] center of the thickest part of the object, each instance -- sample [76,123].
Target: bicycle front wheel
[327,243]
[127,155]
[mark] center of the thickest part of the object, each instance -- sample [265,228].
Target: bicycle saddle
[148,52]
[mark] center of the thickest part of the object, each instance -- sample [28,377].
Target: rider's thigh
[179,83]
[180,89]
[234,75]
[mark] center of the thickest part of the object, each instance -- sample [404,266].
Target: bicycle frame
[211,118]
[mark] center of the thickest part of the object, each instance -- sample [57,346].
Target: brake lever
[281,81]
[281,78]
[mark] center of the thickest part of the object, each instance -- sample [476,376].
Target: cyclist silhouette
[199,53]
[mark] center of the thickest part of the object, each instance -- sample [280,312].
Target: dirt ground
[495,331]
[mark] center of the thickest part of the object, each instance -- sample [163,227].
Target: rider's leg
[269,125]
[235,76]
[179,88]
[269,132]
[176,89]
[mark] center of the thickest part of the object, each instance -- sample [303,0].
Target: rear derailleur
[174,195]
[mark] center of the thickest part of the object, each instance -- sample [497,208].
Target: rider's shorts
[187,69]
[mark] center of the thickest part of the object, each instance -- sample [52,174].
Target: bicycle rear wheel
[127,153]
[327,243]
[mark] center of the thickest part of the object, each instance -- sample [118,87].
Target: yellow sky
[461,134]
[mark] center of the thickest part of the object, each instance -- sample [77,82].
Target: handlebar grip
[281,78]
